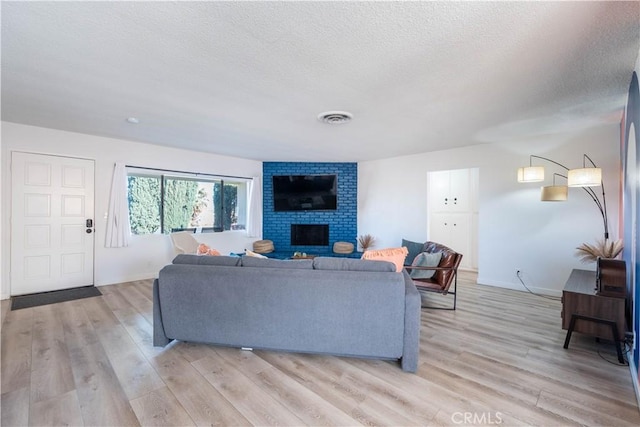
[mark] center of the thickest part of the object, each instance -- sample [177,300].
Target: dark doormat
[44,298]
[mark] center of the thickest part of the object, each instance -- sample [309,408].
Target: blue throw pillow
[414,249]
[425,259]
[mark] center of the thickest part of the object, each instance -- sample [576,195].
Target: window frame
[163,175]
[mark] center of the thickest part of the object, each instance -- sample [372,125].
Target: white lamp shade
[531,174]
[584,177]
[554,193]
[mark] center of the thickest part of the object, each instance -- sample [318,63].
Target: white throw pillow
[247,252]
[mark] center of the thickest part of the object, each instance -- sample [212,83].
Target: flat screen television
[305,192]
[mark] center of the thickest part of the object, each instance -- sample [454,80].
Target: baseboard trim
[518,287]
[143,276]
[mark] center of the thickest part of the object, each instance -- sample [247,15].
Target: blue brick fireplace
[342,222]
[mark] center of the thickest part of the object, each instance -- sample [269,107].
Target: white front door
[51,223]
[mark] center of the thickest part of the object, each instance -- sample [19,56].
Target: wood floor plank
[51,373]
[14,407]
[496,360]
[259,407]
[339,389]
[448,403]
[5,307]
[495,400]
[582,414]
[204,403]
[102,398]
[495,380]
[135,374]
[139,328]
[301,401]
[15,372]
[61,410]
[161,408]
[597,370]
[549,383]
[300,372]
[141,299]
[395,398]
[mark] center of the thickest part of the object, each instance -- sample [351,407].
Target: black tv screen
[304,192]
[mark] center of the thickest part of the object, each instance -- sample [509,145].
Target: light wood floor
[497,360]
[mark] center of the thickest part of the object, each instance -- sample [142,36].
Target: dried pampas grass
[602,248]
[366,241]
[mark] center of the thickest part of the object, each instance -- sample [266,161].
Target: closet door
[439,197]
[459,236]
[453,230]
[459,200]
[439,228]
[452,204]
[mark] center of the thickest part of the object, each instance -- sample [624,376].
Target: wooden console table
[586,312]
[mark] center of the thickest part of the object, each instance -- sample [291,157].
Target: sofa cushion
[229,261]
[425,259]
[414,249]
[394,255]
[350,264]
[250,261]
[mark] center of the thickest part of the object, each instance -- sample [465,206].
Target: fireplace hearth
[309,234]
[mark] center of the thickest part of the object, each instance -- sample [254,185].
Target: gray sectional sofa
[337,306]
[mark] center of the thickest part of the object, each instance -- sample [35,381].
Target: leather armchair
[446,273]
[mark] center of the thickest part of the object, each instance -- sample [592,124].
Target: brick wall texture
[343,222]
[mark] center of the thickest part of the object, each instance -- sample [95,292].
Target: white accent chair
[184,242]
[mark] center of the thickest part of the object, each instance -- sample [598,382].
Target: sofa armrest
[415,267]
[159,337]
[411,345]
[434,281]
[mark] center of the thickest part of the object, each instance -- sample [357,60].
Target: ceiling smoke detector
[335,117]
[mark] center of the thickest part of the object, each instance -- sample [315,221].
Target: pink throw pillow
[394,255]
[206,250]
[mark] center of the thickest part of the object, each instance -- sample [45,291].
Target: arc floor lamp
[584,177]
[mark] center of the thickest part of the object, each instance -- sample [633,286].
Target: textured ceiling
[248,79]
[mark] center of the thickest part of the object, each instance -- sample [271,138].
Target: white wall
[3,295]
[146,254]
[516,230]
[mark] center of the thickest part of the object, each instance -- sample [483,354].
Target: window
[165,203]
